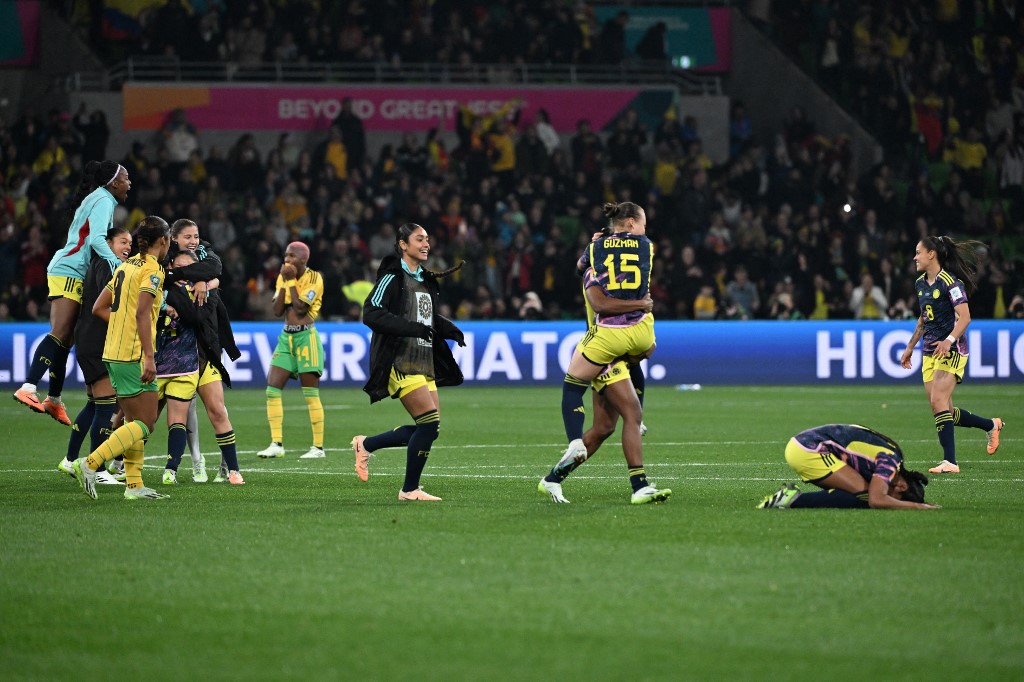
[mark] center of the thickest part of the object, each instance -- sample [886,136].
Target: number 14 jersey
[621,265]
[135,275]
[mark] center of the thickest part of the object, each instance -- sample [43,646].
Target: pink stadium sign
[382,108]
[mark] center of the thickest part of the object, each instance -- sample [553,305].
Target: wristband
[951,338]
[291,283]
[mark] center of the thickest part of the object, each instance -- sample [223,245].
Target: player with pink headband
[102,186]
[298,296]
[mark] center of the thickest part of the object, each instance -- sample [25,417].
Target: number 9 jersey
[137,274]
[621,265]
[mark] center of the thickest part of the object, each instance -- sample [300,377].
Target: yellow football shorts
[618,371]
[811,466]
[64,287]
[604,345]
[209,375]
[401,385]
[181,388]
[954,363]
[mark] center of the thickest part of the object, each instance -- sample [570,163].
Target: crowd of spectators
[781,230]
[393,32]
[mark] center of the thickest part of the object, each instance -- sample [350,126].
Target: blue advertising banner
[537,353]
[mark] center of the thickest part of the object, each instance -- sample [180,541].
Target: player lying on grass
[856,468]
[613,396]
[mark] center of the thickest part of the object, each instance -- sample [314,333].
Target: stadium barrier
[537,353]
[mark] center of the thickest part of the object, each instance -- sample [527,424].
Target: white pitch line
[292,408]
[443,473]
[613,446]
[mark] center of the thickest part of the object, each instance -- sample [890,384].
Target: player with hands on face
[298,297]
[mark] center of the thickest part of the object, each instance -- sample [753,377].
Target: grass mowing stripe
[306,572]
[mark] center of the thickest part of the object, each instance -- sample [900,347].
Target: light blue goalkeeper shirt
[86,235]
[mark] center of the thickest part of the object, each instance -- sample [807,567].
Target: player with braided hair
[102,186]
[130,303]
[409,358]
[948,276]
[856,468]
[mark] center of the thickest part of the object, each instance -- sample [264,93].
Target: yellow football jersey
[137,274]
[310,288]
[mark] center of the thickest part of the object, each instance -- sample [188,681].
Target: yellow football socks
[119,442]
[316,414]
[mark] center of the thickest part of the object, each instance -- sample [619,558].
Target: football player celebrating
[948,277]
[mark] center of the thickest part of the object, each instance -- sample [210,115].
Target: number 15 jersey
[135,275]
[621,265]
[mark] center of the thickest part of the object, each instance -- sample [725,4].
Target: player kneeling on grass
[856,467]
[613,396]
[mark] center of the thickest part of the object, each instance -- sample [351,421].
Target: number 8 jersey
[938,302]
[135,275]
[621,265]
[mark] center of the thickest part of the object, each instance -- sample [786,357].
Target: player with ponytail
[102,186]
[949,275]
[130,303]
[620,266]
[409,358]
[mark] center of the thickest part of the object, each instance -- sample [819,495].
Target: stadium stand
[783,222]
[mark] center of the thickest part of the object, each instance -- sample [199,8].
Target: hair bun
[92,167]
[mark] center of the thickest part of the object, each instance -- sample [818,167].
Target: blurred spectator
[53,160]
[353,134]
[546,132]
[652,45]
[741,130]
[95,133]
[705,305]
[179,137]
[742,295]
[868,302]
[613,39]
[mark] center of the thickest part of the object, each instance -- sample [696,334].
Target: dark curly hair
[916,481]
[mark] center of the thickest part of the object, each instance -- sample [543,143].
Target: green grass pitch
[306,573]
